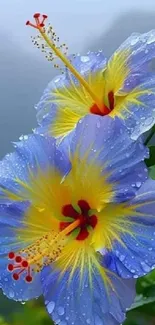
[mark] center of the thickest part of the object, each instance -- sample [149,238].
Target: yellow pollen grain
[47,247]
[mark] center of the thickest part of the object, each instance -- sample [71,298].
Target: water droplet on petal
[50,306]
[11,294]
[138,184]
[122,258]
[134,40]
[61,311]
[146,268]
[84,58]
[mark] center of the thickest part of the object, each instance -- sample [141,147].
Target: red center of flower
[20,265]
[86,220]
[104,110]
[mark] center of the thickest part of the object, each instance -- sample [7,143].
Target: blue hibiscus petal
[68,303]
[137,257]
[31,152]
[11,217]
[108,140]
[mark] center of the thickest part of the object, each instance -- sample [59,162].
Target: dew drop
[84,58]
[132,271]
[61,311]
[50,306]
[11,294]
[57,79]
[88,321]
[145,267]
[122,258]
[149,121]
[134,41]
[25,137]
[138,184]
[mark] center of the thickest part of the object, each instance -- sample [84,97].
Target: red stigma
[25,264]
[37,15]
[10,267]
[11,255]
[21,265]
[28,278]
[18,259]
[15,276]
[39,21]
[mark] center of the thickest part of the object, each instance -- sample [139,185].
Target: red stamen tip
[45,16]
[18,259]
[25,264]
[28,22]
[41,25]
[10,267]
[36,15]
[11,255]
[15,276]
[28,278]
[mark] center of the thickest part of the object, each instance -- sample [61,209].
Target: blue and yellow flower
[75,222]
[123,86]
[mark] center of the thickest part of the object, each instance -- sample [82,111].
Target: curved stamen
[38,256]
[39,25]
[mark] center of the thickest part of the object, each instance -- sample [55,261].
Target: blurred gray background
[83,24]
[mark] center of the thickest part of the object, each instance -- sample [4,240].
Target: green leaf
[151,161]
[140,301]
[152,172]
